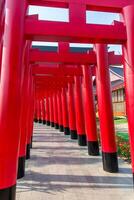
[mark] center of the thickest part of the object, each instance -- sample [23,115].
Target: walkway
[61,170]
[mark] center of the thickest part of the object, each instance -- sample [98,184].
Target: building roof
[117,70]
[116,77]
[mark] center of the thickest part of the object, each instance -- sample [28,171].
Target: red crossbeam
[71,58]
[63,57]
[65,71]
[50,81]
[100,5]
[40,30]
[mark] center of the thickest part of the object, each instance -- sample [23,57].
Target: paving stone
[61,170]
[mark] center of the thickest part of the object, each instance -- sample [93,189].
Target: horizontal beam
[114,59]
[100,5]
[52,81]
[40,30]
[59,78]
[58,4]
[63,57]
[64,71]
[71,58]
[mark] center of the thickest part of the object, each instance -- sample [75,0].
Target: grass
[123,135]
[120,121]
[123,146]
[117,120]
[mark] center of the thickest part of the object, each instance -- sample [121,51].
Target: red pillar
[47,111]
[71,112]
[2,24]
[55,111]
[35,105]
[30,116]
[31,120]
[51,111]
[89,111]
[24,113]
[58,123]
[107,132]
[59,103]
[79,113]
[1,48]
[128,51]
[35,111]
[65,112]
[39,110]
[43,110]
[10,97]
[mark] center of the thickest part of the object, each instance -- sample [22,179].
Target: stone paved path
[61,170]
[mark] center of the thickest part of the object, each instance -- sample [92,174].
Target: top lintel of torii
[98,5]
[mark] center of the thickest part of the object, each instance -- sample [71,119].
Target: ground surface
[61,170]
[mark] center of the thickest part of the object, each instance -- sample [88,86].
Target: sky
[57,14]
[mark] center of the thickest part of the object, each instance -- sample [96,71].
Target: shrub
[123,148]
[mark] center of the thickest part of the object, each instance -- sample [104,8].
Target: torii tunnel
[56,88]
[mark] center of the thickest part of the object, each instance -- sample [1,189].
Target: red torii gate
[12,70]
[57,71]
[53,84]
[75,58]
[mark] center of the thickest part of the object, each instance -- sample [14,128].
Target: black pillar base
[56,125]
[36,120]
[52,124]
[61,128]
[21,167]
[93,148]
[133,179]
[66,131]
[40,121]
[28,152]
[82,141]
[8,193]
[110,162]
[48,123]
[44,121]
[74,135]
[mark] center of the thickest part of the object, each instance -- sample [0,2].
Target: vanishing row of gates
[56,87]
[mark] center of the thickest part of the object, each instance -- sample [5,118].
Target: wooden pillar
[10,97]
[107,132]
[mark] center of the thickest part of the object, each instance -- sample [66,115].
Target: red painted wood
[89,107]
[39,30]
[128,50]
[71,107]
[10,93]
[80,125]
[107,131]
